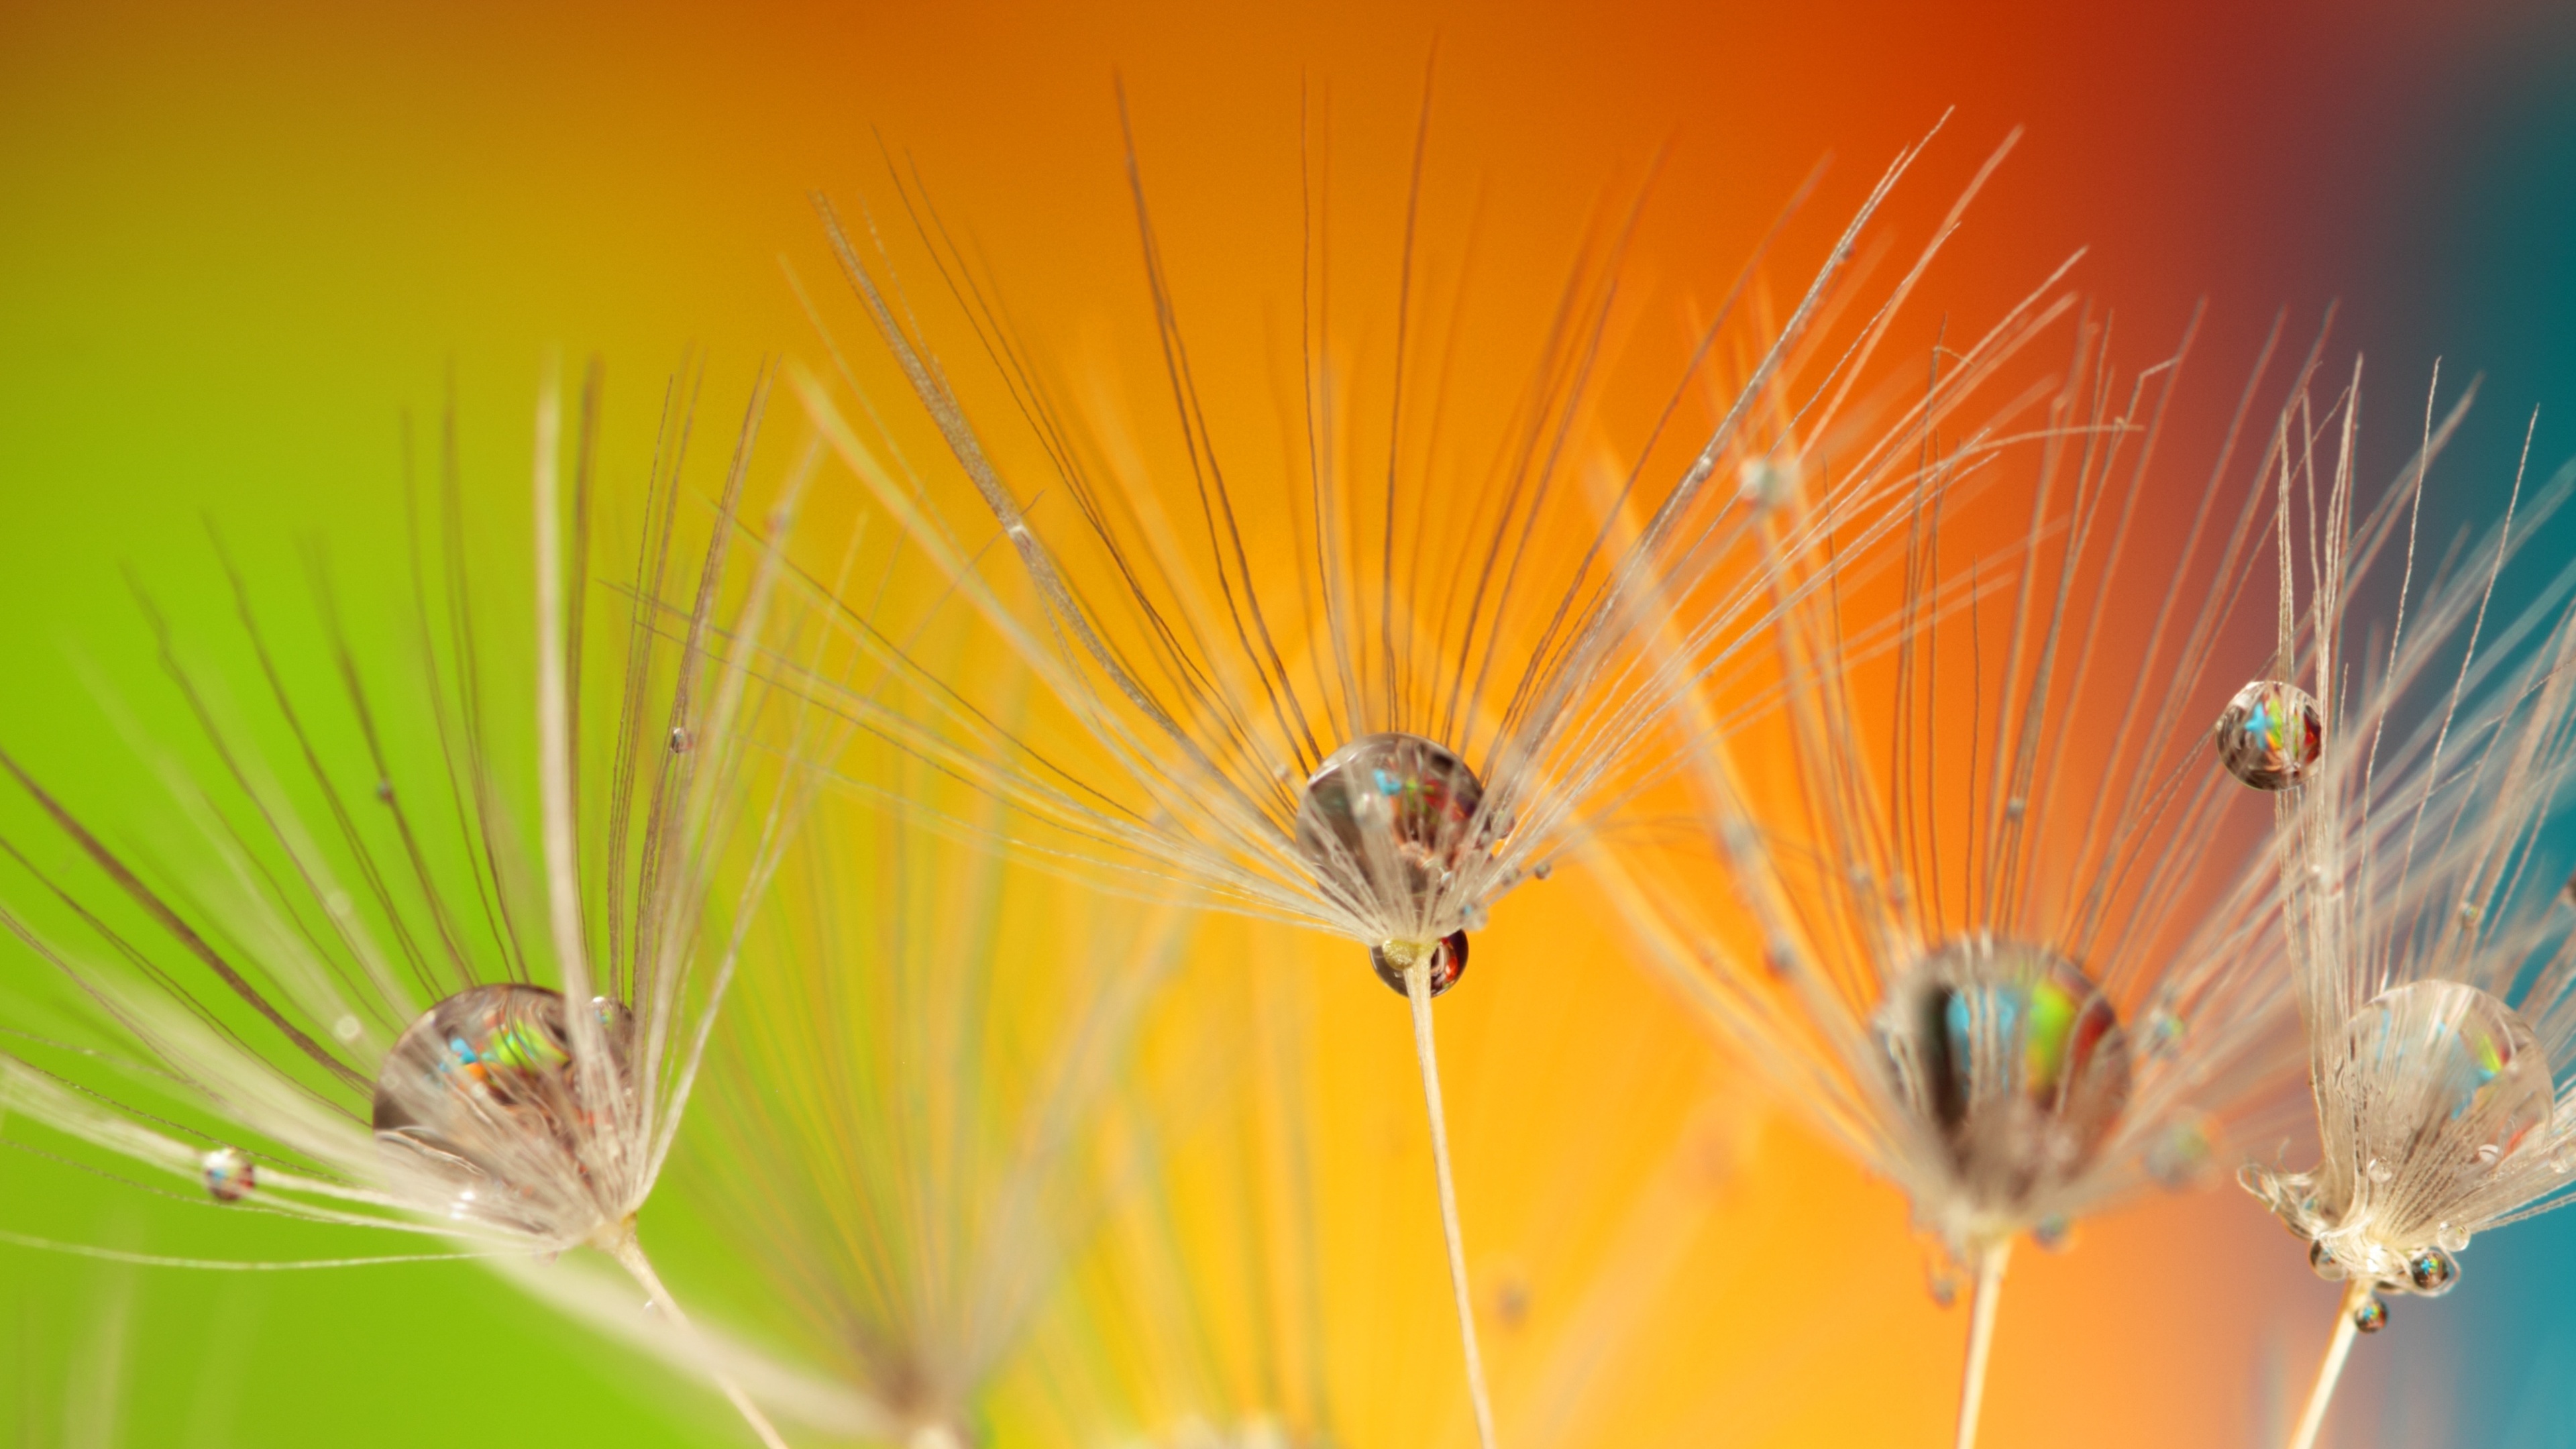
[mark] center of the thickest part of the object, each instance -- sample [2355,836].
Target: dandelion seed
[1976,966]
[909,1196]
[2434,996]
[1466,678]
[498,1118]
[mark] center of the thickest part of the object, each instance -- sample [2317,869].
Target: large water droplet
[2270,734]
[479,1100]
[1386,824]
[2451,1071]
[2014,1056]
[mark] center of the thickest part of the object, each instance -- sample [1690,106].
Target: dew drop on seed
[384,792]
[2322,1259]
[2380,1172]
[2179,1154]
[2439,1066]
[2451,1239]
[1543,869]
[228,1173]
[2269,734]
[1386,823]
[2053,1233]
[346,1029]
[1448,963]
[2371,1316]
[1766,482]
[2432,1271]
[2014,1057]
[681,740]
[479,1099]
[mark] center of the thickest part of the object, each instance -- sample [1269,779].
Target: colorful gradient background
[236,243]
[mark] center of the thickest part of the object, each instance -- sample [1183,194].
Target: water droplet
[2322,1259]
[384,792]
[2451,1239]
[2432,1271]
[1386,824]
[1767,482]
[2015,808]
[2568,891]
[478,1103]
[2013,1056]
[2053,1233]
[2163,1033]
[2181,1153]
[1943,1286]
[2371,1316]
[346,1028]
[1448,962]
[1512,1302]
[229,1175]
[2442,1062]
[1543,869]
[2270,734]
[2380,1172]
[681,740]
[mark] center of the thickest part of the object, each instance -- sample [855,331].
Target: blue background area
[2471,248]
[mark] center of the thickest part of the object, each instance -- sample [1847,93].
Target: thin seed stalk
[630,1256]
[1417,986]
[2330,1373]
[1981,1338]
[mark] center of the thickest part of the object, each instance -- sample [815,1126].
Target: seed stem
[1417,986]
[630,1256]
[1981,1338]
[2330,1372]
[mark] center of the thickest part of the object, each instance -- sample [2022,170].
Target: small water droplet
[2380,1172]
[2270,734]
[1543,869]
[2053,1233]
[2489,1154]
[1512,1302]
[2015,808]
[2450,1238]
[2371,1316]
[2432,1271]
[1943,1285]
[229,1175]
[1766,482]
[346,1028]
[384,792]
[1448,962]
[681,740]
[2322,1259]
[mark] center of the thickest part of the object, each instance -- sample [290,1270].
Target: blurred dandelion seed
[1346,696]
[500,1119]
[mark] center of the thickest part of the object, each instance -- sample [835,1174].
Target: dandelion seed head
[2270,734]
[2443,1086]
